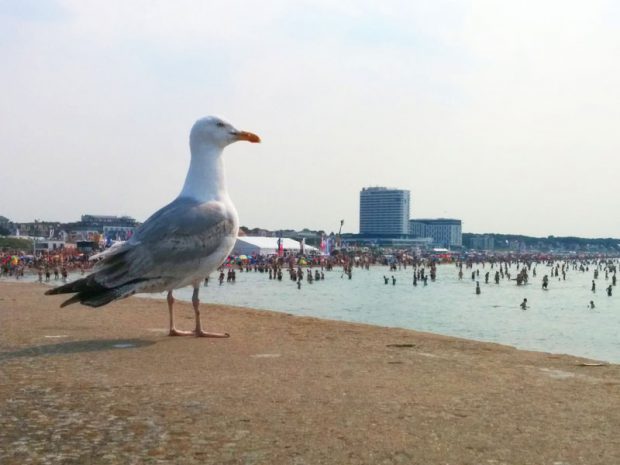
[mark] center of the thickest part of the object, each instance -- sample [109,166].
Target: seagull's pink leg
[173,330]
[199,332]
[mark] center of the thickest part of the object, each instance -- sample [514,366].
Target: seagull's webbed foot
[202,333]
[176,332]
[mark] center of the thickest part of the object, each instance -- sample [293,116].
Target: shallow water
[557,321]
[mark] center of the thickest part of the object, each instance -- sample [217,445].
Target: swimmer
[591,306]
[524,305]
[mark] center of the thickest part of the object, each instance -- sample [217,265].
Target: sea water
[558,320]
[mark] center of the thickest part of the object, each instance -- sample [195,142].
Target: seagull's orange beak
[249,136]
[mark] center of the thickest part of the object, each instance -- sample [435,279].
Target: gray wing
[171,242]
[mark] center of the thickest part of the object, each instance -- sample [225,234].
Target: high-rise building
[384,211]
[444,231]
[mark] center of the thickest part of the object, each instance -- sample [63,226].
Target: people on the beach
[300,268]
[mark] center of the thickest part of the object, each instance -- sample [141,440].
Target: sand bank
[107,386]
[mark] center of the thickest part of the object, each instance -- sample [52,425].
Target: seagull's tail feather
[90,292]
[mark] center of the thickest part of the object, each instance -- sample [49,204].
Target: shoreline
[162,298]
[110,387]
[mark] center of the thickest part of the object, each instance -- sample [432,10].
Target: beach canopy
[250,245]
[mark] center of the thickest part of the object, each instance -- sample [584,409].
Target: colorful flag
[328,246]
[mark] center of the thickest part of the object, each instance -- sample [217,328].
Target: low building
[446,232]
[483,242]
[108,220]
[35,228]
[377,240]
[118,233]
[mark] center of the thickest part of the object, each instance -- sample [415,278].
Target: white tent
[249,245]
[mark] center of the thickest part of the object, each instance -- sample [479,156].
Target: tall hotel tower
[384,211]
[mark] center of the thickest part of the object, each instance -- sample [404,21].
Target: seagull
[180,244]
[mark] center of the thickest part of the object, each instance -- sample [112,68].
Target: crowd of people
[516,269]
[46,267]
[521,269]
[559,267]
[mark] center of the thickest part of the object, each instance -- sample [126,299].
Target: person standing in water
[524,304]
[478,288]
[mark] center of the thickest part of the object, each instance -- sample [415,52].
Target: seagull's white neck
[205,177]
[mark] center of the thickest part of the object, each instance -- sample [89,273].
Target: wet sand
[107,386]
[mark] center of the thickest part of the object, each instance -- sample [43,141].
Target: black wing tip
[72,300]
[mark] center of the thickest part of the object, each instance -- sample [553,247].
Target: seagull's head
[213,131]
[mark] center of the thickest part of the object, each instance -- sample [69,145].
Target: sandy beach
[107,386]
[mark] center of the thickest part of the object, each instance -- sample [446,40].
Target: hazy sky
[504,114]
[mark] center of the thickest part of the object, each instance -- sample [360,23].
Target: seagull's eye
[219,124]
